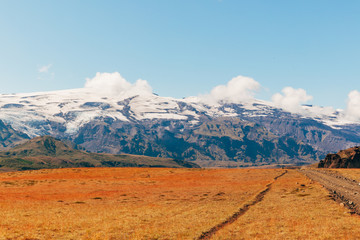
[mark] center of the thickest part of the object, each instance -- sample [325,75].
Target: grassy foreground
[148,203]
[348,173]
[295,208]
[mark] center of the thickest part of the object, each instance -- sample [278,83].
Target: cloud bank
[291,99]
[237,90]
[114,84]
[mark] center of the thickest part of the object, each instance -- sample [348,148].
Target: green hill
[48,152]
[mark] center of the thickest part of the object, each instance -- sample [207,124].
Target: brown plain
[162,203]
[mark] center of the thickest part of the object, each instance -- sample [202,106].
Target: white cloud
[237,90]
[352,111]
[291,99]
[44,69]
[115,84]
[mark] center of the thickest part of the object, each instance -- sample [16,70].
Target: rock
[341,204]
[349,158]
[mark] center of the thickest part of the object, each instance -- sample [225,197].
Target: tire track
[258,198]
[341,189]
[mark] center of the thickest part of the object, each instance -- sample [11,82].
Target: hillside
[48,152]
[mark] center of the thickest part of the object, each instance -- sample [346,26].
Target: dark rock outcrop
[349,158]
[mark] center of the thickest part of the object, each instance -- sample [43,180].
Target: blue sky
[183,48]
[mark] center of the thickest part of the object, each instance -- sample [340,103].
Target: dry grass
[140,203]
[293,211]
[123,203]
[351,173]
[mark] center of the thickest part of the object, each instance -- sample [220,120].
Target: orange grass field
[158,203]
[348,173]
[294,208]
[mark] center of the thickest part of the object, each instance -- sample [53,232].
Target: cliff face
[349,158]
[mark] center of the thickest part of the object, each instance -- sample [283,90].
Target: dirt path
[342,189]
[258,198]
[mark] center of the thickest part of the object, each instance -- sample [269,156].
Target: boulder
[349,158]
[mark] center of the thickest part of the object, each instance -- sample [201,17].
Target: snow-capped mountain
[148,120]
[76,107]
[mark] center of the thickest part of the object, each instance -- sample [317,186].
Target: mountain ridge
[186,129]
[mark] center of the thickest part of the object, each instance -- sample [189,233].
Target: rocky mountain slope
[218,142]
[212,134]
[48,152]
[10,137]
[348,158]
